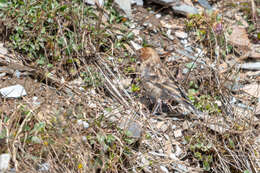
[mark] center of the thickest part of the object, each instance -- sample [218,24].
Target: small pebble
[164,169]
[169,34]
[4,161]
[181,35]
[173,127]
[158,15]
[178,133]
[44,167]
[83,123]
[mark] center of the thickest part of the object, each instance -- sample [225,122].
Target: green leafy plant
[203,102]
[202,151]
[50,32]
[209,29]
[135,88]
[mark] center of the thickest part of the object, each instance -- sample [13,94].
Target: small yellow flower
[45,143]
[80,166]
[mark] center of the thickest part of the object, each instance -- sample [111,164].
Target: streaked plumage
[158,82]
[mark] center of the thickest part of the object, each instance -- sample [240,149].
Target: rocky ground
[78,103]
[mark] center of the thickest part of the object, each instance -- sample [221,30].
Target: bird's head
[148,54]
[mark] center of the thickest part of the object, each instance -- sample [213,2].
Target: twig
[197,57]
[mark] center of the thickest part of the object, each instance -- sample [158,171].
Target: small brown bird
[159,84]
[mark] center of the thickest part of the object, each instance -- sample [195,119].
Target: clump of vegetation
[217,151]
[48,31]
[63,144]
[209,28]
[220,153]
[68,38]
[202,150]
[63,34]
[65,38]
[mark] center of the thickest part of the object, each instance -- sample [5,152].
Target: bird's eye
[139,52]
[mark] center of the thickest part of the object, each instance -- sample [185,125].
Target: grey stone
[185,9]
[3,50]
[44,167]
[133,127]
[125,5]
[251,66]
[205,4]
[83,123]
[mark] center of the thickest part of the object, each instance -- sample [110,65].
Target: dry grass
[50,133]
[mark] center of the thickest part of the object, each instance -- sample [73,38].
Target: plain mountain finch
[159,84]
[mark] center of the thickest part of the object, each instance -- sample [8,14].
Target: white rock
[184,42]
[178,151]
[164,169]
[36,139]
[83,123]
[144,161]
[2,74]
[133,26]
[185,71]
[125,5]
[44,167]
[234,100]
[136,32]
[119,37]
[169,34]
[81,89]
[158,15]
[126,82]
[17,73]
[250,66]
[92,105]
[92,2]
[218,103]
[35,102]
[84,138]
[173,156]
[4,161]
[181,35]
[178,133]
[77,81]
[93,92]
[3,50]
[181,168]
[137,2]
[14,91]
[135,45]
